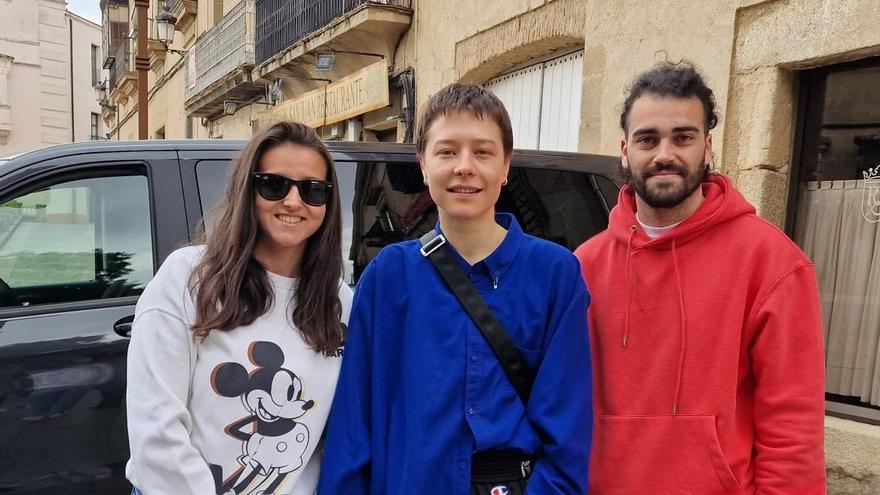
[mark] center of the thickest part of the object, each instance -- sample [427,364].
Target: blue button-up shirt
[421,391]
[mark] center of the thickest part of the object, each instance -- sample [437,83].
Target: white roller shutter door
[521,93]
[544,102]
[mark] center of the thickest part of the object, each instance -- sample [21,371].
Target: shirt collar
[504,255]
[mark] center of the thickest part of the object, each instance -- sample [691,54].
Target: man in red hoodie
[705,327]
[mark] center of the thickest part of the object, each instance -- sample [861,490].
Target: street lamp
[102,96]
[165,21]
[142,60]
[101,91]
[142,66]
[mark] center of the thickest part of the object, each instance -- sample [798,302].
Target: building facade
[47,76]
[797,86]
[166,75]
[86,73]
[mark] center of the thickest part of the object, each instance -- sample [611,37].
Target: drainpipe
[142,65]
[72,113]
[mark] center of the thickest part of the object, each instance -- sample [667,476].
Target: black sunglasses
[275,187]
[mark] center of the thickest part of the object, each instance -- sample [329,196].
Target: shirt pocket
[658,454]
[532,357]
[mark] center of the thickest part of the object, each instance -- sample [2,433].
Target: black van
[83,228]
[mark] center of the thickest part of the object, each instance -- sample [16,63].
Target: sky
[85,8]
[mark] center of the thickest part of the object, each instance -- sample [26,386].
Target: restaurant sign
[355,94]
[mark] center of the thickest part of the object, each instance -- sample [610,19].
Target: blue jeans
[136,492]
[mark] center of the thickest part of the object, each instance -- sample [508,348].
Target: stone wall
[531,35]
[460,40]
[772,40]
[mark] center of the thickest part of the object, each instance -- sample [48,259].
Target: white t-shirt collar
[655,232]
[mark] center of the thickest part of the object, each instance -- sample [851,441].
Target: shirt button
[463,465]
[475,357]
[471,411]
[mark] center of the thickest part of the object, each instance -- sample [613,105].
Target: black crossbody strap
[518,372]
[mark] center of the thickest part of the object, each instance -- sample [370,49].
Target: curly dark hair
[680,80]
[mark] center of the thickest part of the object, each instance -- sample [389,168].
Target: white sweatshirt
[240,412]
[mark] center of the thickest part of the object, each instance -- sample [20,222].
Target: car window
[393,205]
[211,176]
[608,189]
[77,240]
[560,206]
[387,202]
[211,179]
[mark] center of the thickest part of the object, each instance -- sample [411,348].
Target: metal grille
[283,23]
[123,62]
[172,4]
[223,49]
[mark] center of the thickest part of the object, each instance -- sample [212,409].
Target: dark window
[393,205]
[83,239]
[211,176]
[384,203]
[189,127]
[835,217]
[96,65]
[94,128]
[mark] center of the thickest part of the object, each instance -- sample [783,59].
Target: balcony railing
[227,46]
[123,62]
[282,23]
[172,4]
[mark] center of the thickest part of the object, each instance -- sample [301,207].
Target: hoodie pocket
[636,455]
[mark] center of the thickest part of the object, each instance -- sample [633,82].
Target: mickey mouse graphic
[274,443]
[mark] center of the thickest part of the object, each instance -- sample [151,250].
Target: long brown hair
[230,286]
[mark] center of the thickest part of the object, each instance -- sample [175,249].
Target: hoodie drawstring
[632,233]
[683,330]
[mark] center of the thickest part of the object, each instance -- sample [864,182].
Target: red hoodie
[707,355]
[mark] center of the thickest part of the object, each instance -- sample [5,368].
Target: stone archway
[542,31]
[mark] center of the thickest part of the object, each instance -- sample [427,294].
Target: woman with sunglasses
[235,346]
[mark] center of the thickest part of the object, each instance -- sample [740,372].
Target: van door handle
[123,326]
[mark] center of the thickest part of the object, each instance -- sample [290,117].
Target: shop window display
[836,220]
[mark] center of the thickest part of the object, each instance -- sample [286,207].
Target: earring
[504,183]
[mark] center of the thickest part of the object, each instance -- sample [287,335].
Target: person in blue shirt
[423,406]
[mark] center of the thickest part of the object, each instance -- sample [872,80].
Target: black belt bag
[500,473]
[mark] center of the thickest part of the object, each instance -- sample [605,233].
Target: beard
[666,195]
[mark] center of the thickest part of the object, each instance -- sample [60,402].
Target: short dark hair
[472,98]
[679,80]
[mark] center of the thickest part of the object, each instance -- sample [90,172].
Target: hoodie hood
[722,203]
